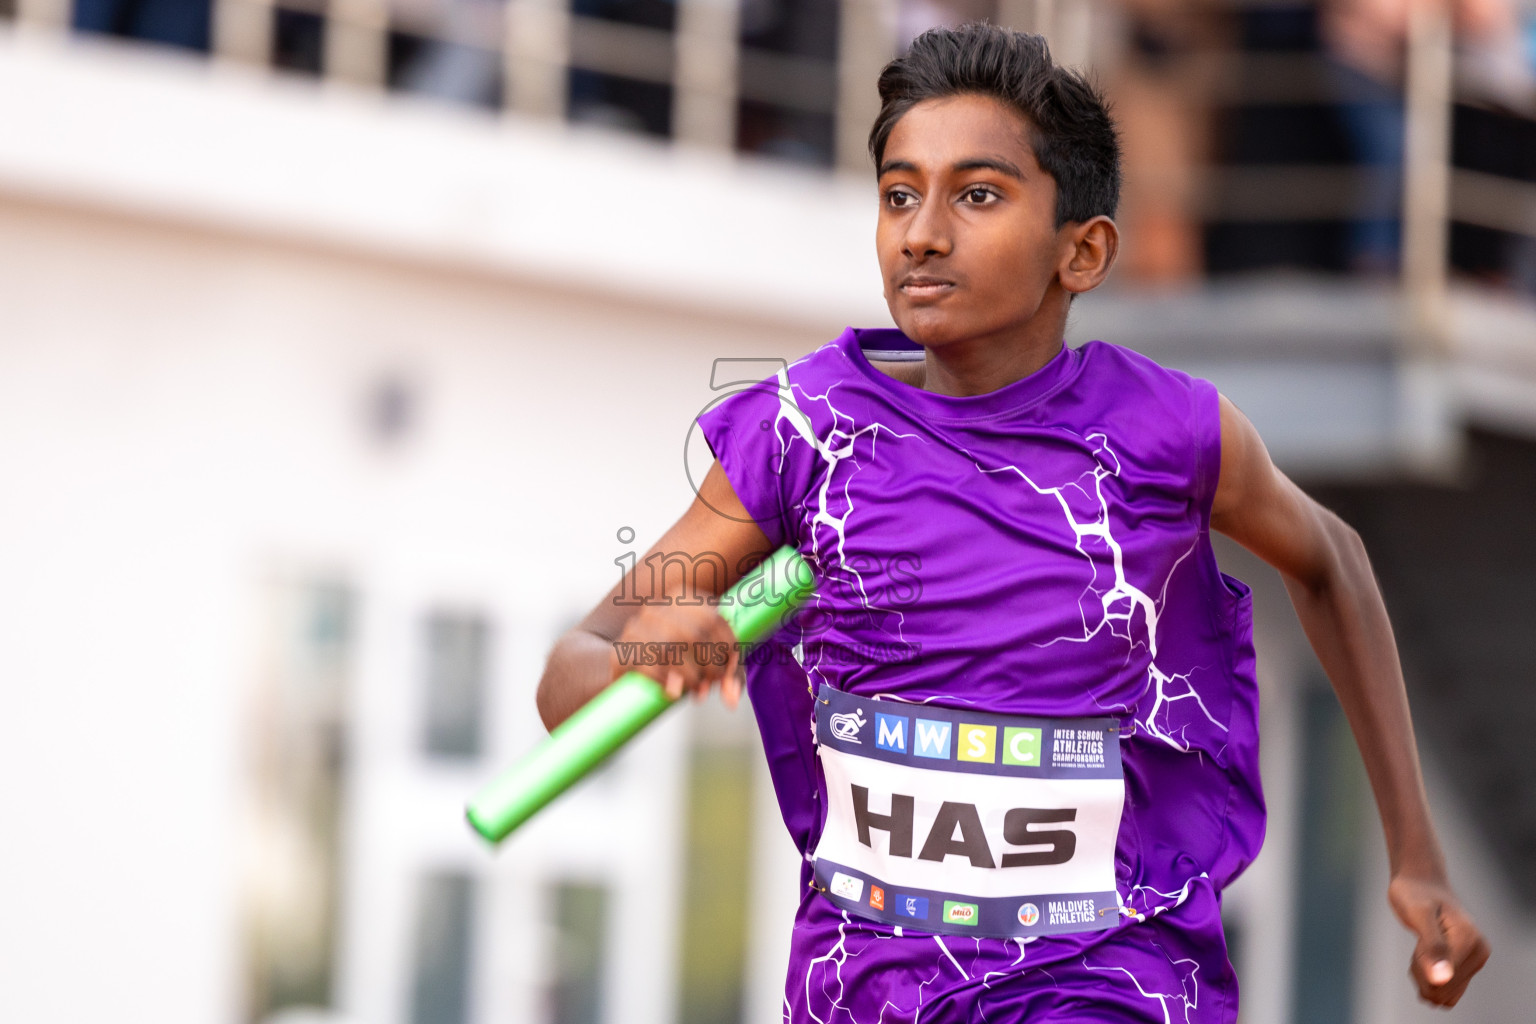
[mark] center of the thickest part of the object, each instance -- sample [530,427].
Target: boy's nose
[928,235]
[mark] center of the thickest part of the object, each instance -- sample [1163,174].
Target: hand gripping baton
[755,607]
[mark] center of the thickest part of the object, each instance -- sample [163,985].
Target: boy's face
[967,239]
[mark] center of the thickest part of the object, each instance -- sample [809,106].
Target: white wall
[180,412]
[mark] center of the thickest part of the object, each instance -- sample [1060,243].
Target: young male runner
[1017,736]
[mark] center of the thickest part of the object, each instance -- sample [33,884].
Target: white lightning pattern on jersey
[838,446]
[1188,997]
[1119,604]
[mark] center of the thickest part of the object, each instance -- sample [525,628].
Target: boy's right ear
[1095,244]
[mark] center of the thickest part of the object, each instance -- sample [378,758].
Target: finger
[696,679]
[1470,951]
[1433,961]
[1469,966]
[731,686]
[1476,957]
[1435,949]
[1435,975]
[1425,957]
[733,664]
[1450,994]
[674,684]
[724,640]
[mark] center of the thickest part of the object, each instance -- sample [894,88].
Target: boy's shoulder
[1108,353]
[1125,371]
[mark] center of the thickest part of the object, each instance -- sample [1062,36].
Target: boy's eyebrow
[991,163]
[980,163]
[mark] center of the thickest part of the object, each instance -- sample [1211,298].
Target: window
[579,913]
[787,79]
[298,41]
[712,985]
[443,949]
[457,659]
[1333,812]
[183,23]
[298,785]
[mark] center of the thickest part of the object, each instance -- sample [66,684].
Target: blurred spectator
[444,69]
[446,49]
[172,22]
[1366,42]
[1161,93]
[1498,64]
[618,101]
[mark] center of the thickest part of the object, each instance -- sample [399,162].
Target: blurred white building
[325,408]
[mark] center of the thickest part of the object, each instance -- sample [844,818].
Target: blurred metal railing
[1427,179]
[701,58]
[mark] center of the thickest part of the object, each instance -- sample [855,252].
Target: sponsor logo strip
[926,736]
[955,914]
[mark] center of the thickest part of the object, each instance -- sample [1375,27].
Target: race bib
[966,823]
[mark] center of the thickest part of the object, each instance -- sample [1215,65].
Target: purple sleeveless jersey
[1040,550]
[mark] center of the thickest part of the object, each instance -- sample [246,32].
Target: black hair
[1071,132]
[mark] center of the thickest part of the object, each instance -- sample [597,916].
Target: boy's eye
[979,196]
[900,198]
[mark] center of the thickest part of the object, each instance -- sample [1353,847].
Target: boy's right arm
[716,528]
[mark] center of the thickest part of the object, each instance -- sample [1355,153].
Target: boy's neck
[982,365]
[962,375]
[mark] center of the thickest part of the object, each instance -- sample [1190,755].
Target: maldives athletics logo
[1029,915]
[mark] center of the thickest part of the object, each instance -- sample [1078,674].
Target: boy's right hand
[693,638]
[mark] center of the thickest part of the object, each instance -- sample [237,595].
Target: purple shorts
[1170,969]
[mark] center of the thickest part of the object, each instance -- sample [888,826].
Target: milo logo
[960,913]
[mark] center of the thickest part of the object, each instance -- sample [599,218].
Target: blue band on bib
[925,736]
[929,910]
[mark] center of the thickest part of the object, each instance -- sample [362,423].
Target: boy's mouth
[924,286]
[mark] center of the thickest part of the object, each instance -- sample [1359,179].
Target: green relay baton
[755,607]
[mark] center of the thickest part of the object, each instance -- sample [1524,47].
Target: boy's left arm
[1330,581]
